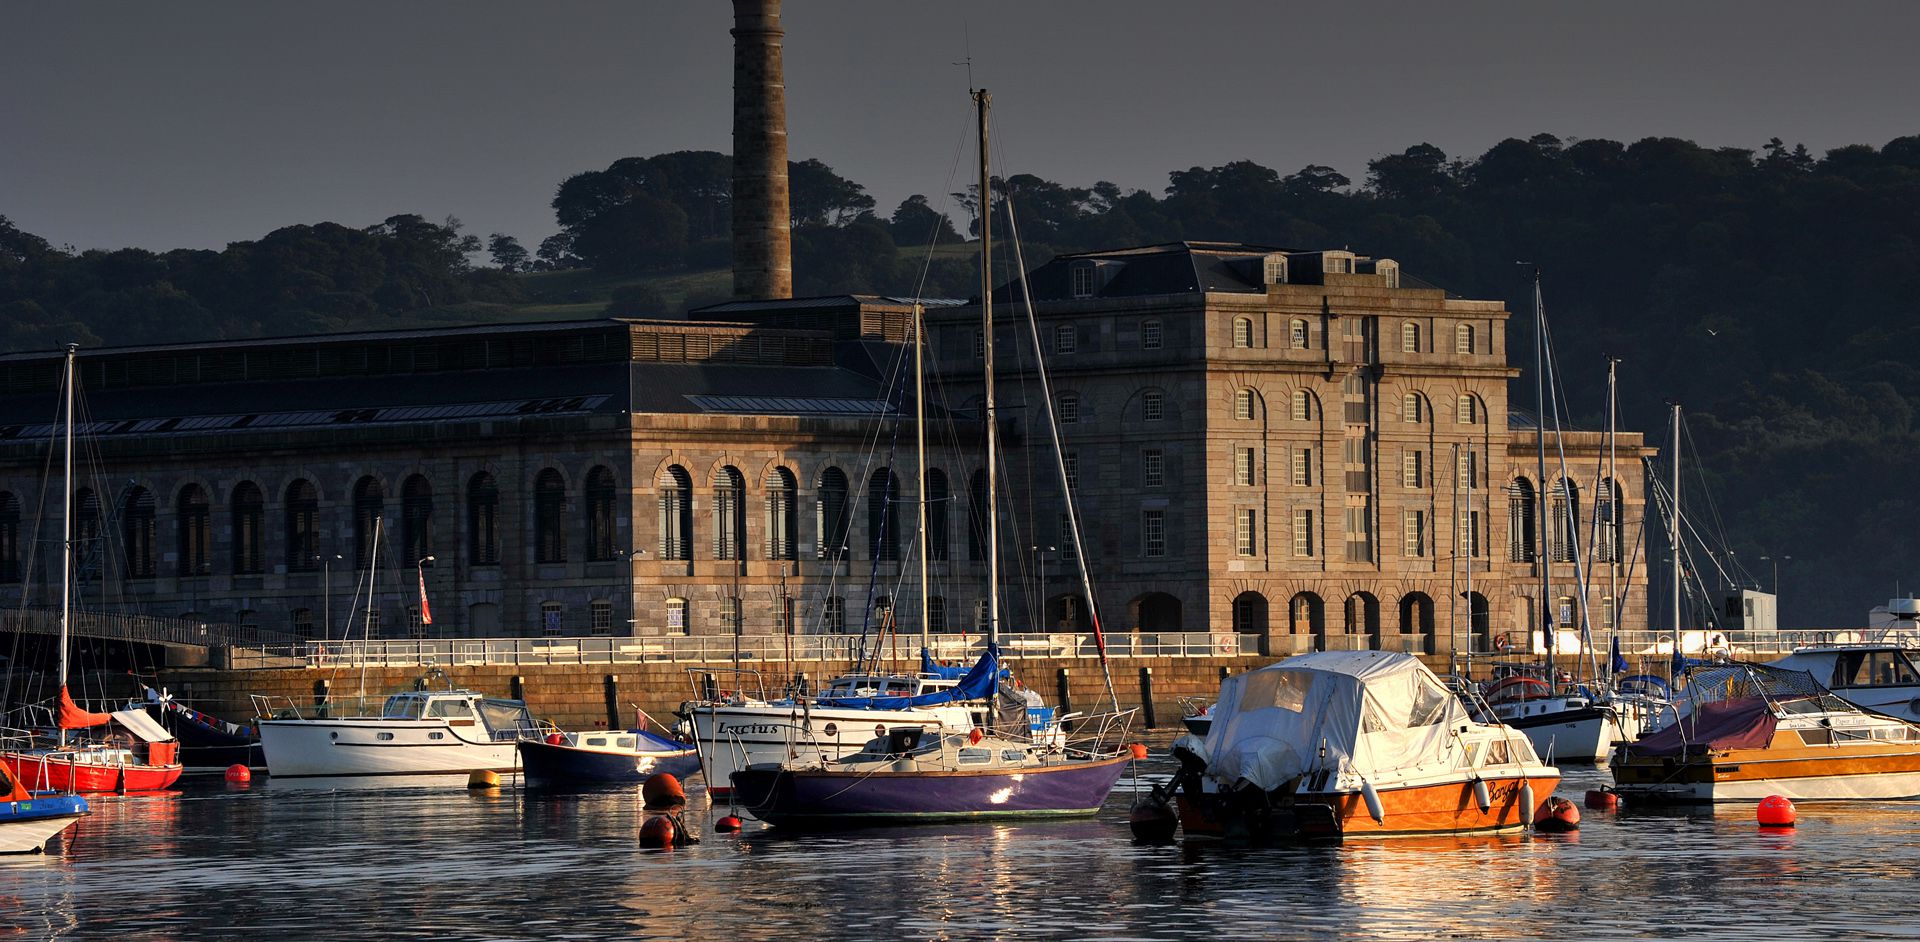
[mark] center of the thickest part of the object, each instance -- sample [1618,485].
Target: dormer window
[1336,263]
[1274,269]
[1082,277]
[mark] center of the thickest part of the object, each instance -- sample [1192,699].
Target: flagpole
[420,567]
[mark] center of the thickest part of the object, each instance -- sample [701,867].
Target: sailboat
[995,770]
[28,821]
[141,755]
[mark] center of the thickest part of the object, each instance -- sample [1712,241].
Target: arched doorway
[1250,618]
[1479,622]
[1155,611]
[1416,623]
[1363,618]
[1307,615]
[1068,612]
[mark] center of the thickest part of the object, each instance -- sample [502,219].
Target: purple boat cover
[1743,723]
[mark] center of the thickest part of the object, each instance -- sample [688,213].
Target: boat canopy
[979,682]
[140,724]
[1371,710]
[932,668]
[1740,723]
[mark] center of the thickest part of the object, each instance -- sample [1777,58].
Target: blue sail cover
[942,671]
[978,684]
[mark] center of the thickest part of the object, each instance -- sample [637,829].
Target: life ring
[1503,641]
[1229,644]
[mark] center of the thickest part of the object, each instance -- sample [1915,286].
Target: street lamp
[326,594]
[1775,560]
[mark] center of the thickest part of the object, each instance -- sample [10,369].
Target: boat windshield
[404,706]
[1885,668]
[507,716]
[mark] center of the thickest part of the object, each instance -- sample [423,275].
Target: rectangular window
[1069,409]
[552,616]
[1064,339]
[1297,334]
[1150,335]
[979,344]
[1153,533]
[1410,468]
[1153,406]
[1359,533]
[730,613]
[1063,538]
[1469,540]
[677,616]
[937,613]
[1303,467]
[836,614]
[600,616]
[1414,523]
[1072,461]
[1303,533]
[1243,467]
[1245,536]
[1152,468]
[1082,282]
[981,615]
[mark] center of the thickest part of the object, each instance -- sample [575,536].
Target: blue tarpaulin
[978,683]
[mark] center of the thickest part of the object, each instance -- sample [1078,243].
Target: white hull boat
[414,733]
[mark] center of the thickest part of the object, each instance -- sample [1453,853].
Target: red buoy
[661,791]
[1558,816]
[556,739]
[657,832]
[1776,811]
[1153,821]
[728,825]
[1139,750]
[1603,800]
[239,774]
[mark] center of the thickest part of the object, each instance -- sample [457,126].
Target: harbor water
[279,861]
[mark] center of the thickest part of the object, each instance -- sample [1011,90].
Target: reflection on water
[316,862]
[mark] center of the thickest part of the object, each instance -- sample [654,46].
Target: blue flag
[1619,662]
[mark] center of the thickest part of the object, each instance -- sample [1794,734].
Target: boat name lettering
[749,729]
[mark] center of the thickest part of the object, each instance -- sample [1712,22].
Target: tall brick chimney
[762,236]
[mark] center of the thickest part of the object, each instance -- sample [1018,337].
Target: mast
[920,460]
[1546,514]
[66,535]
[982,100]
[1673,530]
[1613,511]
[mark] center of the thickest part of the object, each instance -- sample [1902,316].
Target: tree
[816,196]
[1419,173]
[507,252]
[642,234]
[556,253]
[915,222]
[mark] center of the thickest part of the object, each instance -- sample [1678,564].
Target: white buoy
[1482,795]
[1526,803]
[1372,799]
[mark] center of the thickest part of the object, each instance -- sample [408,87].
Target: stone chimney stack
[762,222]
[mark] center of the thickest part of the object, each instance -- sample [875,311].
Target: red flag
[426,614]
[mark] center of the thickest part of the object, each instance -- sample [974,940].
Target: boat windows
[626,742]
[1497,753]
[1429,703]
[453,709]
[436,734]
[1011,755]
[506,715]
[405,707]
[1287,690]
[384,737]
[975,756]
[1873,669]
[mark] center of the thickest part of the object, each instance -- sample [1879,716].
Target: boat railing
[1097,734]
[284,708]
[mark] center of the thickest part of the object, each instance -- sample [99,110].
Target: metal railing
[148,629]
[713,649]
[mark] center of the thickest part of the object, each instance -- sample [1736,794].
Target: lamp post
[1775,560]
[326,594]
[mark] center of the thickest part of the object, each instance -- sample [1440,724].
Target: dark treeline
[1771,292]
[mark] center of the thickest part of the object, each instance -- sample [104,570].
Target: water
[278,862]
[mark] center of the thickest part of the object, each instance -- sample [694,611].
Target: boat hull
[732,737]
[78,772]
[362,747]
[818,798]
[27,826]
[1582,736]
[547,765]
[1809,773]
[1436,807]
[206,750]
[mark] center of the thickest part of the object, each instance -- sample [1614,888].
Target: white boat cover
[1370,712]
[142,725]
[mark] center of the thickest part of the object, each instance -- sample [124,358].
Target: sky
[194,124]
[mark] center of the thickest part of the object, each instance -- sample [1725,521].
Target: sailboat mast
[982,100]
[920,460]
[66,527]
[1613,509]
[1673,529]
[1546,502]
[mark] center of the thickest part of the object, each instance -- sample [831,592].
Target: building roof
[1181,268]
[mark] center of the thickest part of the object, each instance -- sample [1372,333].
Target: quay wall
[587,696]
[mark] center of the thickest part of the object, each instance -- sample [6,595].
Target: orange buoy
[1139,750]
[974,737]
[662,791]
[657,832]
[239,774]
[728,825]
[1776,811]
[1603,800]
[556,739]
[1559,816]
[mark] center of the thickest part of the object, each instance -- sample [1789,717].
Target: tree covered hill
[1771,292]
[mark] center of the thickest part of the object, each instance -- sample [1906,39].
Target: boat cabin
[502,718]
[885,685]
[1840,668]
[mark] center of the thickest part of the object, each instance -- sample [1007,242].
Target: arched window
[483,520]
[783,517]
[1467,410]
[937,498]
[834,618]
[602,499]
[1250,613]
[676,513]
[832,515]
[1411,410]
[1520,542]
[89,549]
[729,514]
[1297,334]
[1566,520]
[137,533]
[1606,514]
[883,522]
[249,529]
[1243,331]
[1463,340]
[195,519]
[1302,406]
[977,517]
[416,518]
[369,505]
[303,527]
[1409,337]
[549,517]
[1243,407]
[9,537]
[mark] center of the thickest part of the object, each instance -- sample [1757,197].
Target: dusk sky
[196,124]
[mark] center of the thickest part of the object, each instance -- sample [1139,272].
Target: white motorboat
[415,732]
[1876,676]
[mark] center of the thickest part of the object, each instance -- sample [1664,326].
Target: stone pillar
[762,237]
